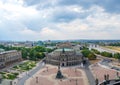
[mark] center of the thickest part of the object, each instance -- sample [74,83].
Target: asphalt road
[89,73]
[22,80]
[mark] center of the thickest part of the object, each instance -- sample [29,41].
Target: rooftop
[65,49]
[8,51]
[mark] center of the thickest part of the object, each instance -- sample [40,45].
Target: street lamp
[117,74]
[36,79]
[76,82]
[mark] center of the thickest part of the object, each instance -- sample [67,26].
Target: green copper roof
[65,49]
[1,50]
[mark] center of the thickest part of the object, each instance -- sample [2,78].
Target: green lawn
[25,66]
[10,76]
[21,68]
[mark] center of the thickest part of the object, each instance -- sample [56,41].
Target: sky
[59,19]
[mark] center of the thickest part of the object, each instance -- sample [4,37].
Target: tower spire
[63,50]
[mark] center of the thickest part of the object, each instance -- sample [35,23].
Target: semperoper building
[65,55]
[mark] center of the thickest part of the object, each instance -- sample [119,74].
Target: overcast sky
[59,19]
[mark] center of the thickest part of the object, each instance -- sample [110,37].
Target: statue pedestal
[59,75]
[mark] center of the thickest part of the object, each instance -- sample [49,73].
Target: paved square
[99,72]
[46,76]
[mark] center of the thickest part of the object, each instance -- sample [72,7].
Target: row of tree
[114,44]
[34,53]
[107,54]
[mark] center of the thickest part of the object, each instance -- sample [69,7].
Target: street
[30,74]
[89,73]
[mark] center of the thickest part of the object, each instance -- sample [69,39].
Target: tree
[91,56]
[33,53]
[87,53]
[117,56]
[40,55]
[24,54]
[39,49]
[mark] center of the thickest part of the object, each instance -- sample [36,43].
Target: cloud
[59,19]
[109,5]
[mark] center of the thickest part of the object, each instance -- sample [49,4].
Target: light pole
[117,74]
[47,68]
[76,82]
[36,79]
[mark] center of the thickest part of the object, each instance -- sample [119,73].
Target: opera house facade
[65,55]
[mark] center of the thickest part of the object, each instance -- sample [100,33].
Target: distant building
[65,55]
[23,44]
[64,45]
[39,43]
[9,57]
